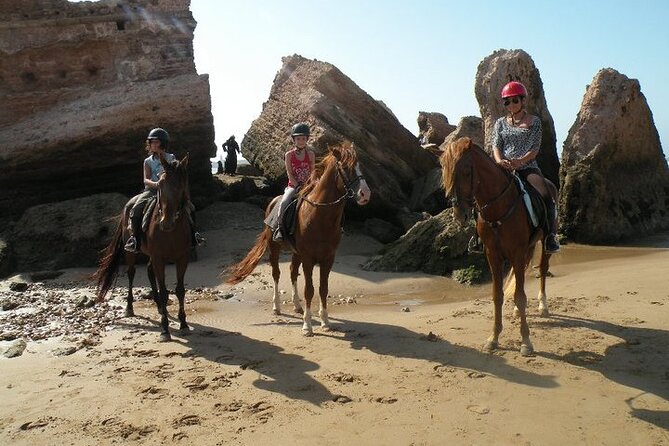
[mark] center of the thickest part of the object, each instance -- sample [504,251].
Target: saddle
[289,221]
[535,205]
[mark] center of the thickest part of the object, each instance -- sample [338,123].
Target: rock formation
[615,182]
[469,126]
[492,74]
[336,109]
[433,128]
[83,83]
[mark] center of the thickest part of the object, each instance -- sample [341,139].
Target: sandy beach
[402,366]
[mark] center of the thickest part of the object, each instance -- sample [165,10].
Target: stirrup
[551,244]
[131,245]
[199,240]
[277,236]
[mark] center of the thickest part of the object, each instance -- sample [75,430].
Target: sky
[422,55]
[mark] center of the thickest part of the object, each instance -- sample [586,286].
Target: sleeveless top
[515,142]
[301,168]
[155,166]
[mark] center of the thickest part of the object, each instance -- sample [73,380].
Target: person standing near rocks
[232,148]
[299,161]
[157,142]
[516,141]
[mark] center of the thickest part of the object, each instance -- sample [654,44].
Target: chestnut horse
[317,234]
[167,239]
[473,179]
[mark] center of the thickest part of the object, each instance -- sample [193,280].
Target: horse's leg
[325,268]
[152,281]
[520,299]
[294,272]
[543,271]
[308,269]
[274,251]
[497,269]
[130,260]
[161,301]
[180,291]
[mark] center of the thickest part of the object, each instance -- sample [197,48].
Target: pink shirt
[301,168]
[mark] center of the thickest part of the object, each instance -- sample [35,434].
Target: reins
[348,189]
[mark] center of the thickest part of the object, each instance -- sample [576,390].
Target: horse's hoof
[490,346]
[307,333]
[129,313]
[544,312]
[526,350]
[276,312]
[165,337]
[326,328]
[299,310]
[185,331]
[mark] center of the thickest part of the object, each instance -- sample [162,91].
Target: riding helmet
[161,135]
[514,88]
[300,129]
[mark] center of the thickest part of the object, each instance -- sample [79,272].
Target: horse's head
[172,192]
[458,177]
[350,178]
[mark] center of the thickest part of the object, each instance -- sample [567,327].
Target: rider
[516,140]
[156,143]
[299,163]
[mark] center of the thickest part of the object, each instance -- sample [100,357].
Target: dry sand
[600,375]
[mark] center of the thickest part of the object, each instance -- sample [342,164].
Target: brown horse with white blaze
[167,239]
[474,180]
[318,231]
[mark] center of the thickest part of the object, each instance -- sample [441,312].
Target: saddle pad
[528,203]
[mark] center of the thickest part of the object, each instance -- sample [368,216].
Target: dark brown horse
[318,231]
[167,239]
[474,180]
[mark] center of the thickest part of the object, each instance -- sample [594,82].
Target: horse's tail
[242,269]
[110,259]
[510,281]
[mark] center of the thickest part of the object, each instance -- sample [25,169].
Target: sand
[403,365]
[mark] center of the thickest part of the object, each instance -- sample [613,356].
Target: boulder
[470,127]
[83,83]
[381,230]
[492,74]
[437,245]
[6,257]
[336,109]
[615,182]
[66,234]
[433,127]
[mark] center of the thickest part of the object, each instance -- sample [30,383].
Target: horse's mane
[343,152]
[449,160]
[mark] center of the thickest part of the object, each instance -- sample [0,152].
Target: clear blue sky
[422,55]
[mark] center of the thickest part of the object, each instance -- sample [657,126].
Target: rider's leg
[288,195]
[537,181]
[134,241]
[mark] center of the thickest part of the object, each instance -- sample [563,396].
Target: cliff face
[83,83]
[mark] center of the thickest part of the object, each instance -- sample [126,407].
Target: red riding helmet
[513,88]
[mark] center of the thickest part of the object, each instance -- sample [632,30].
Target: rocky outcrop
[83,83]
[492,74]
[336,109]
[66,234]
[437,245]
[615,182]
[470,127]
[433,128]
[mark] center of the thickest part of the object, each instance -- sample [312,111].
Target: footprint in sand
[186,420]
[196,384]
[154,393]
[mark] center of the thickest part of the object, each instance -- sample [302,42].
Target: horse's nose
[364,194]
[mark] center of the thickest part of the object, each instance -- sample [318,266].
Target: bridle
[177,214]
[349,190]
[471,201]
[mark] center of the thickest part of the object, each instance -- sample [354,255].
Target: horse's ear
[184,160]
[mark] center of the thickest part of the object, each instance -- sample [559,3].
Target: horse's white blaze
[296,297]
[276,306]
[364,193]
[306,327]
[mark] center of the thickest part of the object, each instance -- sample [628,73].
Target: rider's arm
[147,177]
[289,169]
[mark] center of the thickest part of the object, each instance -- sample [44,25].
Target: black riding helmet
[300,129]
[161,135]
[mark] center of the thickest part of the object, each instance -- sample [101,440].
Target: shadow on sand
[638,361]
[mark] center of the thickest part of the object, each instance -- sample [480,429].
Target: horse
[317,233]
[475,181]
[167,239]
